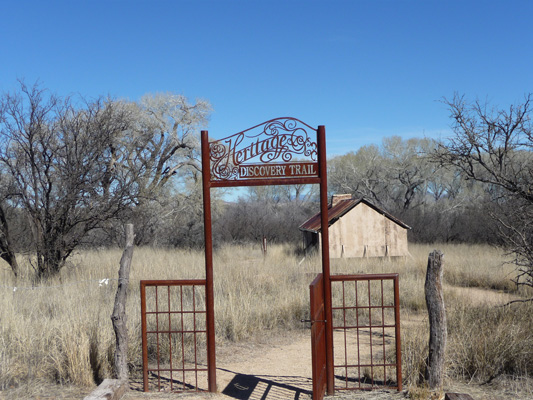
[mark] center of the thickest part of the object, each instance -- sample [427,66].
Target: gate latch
[312,321]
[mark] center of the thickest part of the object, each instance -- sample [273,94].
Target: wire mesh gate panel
[318,337]
[174,335]
[366,331]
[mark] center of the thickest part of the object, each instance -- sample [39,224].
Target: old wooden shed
[357,228]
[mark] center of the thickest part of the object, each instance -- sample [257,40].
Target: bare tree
[361,173]
[408,169]
[77,165]
[494,147]
[6,247]
[283,193]
[65,164]
[7,252]
[163,138]
[164,149]
[400,176]
[394,176]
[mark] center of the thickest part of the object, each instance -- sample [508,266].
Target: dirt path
[268,368]
[279,367]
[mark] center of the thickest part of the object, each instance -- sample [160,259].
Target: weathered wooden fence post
[119,317]
[437,320]
[264,246]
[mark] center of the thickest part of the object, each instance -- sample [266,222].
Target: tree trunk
[437,321]
[6,249]
[119,317]
[51,258]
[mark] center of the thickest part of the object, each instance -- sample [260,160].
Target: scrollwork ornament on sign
[278,140]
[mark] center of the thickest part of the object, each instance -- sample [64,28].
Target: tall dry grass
[488,342]
[59,331]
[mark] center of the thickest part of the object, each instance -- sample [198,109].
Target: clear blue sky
[364,69]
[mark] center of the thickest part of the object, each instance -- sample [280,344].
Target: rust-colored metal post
[322,168]
[143,333]
[397,332]
[208,236]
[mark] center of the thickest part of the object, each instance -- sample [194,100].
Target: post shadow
[242,386]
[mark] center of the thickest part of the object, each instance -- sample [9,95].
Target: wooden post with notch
[437,321]
[119,317]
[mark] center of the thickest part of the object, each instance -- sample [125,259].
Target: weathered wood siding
[363,232]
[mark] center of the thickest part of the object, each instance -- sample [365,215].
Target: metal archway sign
[282,151]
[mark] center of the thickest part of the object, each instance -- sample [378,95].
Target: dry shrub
[423,392]
[52,330]
[414,354]
[486,342]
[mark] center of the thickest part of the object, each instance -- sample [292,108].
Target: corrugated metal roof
[338,210]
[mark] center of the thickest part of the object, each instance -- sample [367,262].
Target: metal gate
[366,331]
[174,335]
[318,337]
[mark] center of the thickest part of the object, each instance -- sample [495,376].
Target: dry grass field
[59,332]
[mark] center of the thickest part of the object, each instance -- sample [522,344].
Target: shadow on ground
[268,387]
